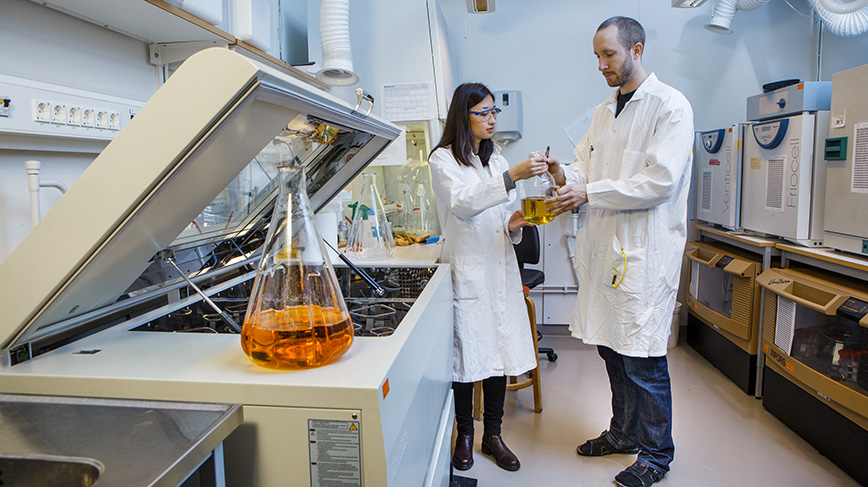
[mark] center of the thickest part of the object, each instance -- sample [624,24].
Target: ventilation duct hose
[337,55]
[843,25]
[725,10]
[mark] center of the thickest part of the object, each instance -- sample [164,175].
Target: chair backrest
[527,251]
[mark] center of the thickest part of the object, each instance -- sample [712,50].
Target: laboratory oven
[784,173]
[816,374]
[846,153]
[723,301]
[717,182]
[92,306]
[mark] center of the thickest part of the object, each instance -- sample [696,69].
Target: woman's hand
[528,168]
[516,221]
[569,197]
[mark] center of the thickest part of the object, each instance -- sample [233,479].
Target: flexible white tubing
[337,54]
[725,10]
[843,25]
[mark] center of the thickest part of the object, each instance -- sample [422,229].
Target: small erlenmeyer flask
[406,203]
[420,217]
[370,236]
[296,316]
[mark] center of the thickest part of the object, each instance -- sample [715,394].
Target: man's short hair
[630,32]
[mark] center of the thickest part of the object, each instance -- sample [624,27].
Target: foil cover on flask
[296,317]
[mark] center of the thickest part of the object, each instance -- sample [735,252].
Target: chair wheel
[552,356]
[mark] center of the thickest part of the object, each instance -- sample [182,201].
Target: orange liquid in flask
[297,337]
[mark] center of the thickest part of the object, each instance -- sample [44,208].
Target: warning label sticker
[335,453]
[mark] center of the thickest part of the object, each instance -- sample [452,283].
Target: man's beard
[622,75]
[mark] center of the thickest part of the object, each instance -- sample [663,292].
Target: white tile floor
[723,437]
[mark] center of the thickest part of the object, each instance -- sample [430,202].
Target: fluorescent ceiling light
[687,3]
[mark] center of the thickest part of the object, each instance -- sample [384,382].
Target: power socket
[74,116]
[101,120]
[41,111]
[58,114]
[114,121]
[88,117]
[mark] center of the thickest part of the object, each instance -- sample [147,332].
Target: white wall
[545,50]
[45,45]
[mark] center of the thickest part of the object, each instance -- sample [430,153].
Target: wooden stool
[513,384]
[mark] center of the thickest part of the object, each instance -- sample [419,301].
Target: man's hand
[569,197]
[556,170]
[516,221]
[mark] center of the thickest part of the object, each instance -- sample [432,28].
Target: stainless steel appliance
[193,173]
[846,154]
[784,176]
[717,182]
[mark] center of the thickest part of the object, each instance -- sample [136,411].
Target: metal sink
[48,470]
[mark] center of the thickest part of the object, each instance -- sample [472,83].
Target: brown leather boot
[462,459]
[506,459]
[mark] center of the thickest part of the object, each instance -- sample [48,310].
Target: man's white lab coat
[492,331]
[637,168]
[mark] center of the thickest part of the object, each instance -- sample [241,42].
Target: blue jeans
[641,407]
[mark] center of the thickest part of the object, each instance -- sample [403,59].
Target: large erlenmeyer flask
[371,234]
[296,317]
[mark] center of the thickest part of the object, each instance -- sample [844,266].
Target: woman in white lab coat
[474,188]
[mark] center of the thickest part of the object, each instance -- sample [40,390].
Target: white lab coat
[492,331]
[637,168]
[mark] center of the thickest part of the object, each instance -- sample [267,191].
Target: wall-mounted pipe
[843,25]
[724,11]
[33,186]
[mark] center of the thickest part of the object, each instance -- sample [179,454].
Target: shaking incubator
[118,312]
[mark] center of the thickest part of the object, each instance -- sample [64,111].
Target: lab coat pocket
[632,163]
[628,269]
[468,278]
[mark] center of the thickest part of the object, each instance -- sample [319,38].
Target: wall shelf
[155,21]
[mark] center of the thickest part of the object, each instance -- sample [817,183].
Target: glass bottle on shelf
[370,236]
[420,217]
[296,317]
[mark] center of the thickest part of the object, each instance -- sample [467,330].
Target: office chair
[528,252]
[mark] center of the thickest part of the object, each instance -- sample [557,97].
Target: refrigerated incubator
[717,182]
[723,301]
[846,154]
[92,305]
[816,348]
[784,173]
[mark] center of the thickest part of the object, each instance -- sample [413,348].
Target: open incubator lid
[195,172]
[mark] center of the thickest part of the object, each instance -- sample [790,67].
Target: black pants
[493,395]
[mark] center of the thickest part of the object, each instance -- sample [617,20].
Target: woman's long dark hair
[457,134]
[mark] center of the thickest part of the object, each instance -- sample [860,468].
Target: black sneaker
[638,475]
[600,446]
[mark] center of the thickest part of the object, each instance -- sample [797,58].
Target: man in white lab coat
[632,169]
